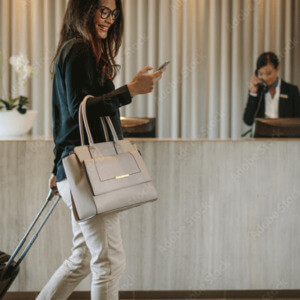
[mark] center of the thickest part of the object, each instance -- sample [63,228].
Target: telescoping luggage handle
[49,198]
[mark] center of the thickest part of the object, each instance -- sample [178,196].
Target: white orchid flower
[21,66]
[26,73]
[19,62]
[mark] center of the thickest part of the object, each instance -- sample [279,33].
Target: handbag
[106,177]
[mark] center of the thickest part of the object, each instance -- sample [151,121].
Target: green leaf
[18,102]
[13,101]
[23,100]
[7,104]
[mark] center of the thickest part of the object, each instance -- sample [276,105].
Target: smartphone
[163,65]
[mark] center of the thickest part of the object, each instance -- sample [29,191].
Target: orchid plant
[23,71]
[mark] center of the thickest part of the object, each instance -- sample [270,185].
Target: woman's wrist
[131,89]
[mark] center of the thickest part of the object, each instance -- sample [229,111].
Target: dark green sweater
[75,77]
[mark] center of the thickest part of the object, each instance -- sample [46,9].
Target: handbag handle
[81,129]
[87,128]
[83,116]
[104,129]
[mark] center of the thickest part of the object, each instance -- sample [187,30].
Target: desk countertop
[50,138]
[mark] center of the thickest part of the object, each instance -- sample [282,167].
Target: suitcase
[9,268]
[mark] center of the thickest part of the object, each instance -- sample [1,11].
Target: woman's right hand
[143,83]
[254,83]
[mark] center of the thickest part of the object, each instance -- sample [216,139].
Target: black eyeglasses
[106,12]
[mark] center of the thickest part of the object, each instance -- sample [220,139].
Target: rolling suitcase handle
[49,198]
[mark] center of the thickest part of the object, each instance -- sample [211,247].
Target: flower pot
[12,123]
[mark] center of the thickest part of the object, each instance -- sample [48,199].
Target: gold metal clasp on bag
[122,176]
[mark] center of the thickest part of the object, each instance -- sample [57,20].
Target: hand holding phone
[255,82]
[143,82]
[163,65]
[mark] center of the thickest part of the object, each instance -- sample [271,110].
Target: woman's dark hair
[267,58]
[79,22]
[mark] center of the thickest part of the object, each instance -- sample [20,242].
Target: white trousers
[97,248]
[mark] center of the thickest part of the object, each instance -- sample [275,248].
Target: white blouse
[272,104]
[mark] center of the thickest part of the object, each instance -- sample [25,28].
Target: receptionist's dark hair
[267,58]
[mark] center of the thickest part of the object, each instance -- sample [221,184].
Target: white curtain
[212,45]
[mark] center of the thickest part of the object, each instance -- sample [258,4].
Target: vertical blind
[212,45]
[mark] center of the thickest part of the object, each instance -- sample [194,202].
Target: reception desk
[227,217]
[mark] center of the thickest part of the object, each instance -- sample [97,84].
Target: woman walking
[84,64]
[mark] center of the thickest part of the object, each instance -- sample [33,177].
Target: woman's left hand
[52,184]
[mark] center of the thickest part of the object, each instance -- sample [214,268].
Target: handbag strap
[80,121]
[83,121]
[81,128]
[104,129]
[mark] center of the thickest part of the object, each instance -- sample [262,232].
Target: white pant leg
[75,268]
[102,235]
[103,238]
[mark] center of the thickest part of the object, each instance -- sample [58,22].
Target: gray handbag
[106,177]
